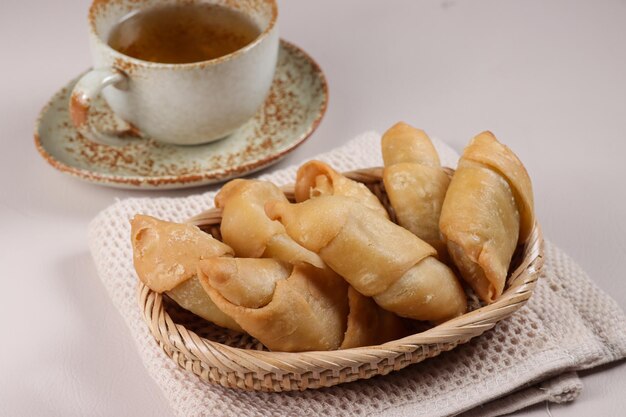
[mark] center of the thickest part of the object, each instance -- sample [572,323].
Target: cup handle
[86,90]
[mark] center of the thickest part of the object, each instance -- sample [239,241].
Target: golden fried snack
[369,324]
[246,228]
[296,308]
[315,178]
[289,309]
[166,257]
[415,182]
[377,257]
[487,212]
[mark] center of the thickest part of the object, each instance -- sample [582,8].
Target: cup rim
[188,65]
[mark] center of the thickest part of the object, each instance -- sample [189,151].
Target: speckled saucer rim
[196,179]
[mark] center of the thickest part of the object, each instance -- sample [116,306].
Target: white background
[548,77]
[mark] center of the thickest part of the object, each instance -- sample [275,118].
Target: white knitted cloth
[569,324]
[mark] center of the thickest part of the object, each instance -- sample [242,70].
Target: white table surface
[548,77]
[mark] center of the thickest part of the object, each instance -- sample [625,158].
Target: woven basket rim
[231,366]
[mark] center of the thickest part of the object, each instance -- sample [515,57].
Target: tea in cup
[178,71]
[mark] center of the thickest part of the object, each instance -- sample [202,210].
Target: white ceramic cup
[183,104]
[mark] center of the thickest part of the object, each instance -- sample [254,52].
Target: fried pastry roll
[315,178]
[415,182]
[296,308]
[166,257]
[289,309]
[377,257]
[247,229]
[369,324]
[487,212]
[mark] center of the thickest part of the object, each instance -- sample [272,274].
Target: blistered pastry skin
[247,229]
[247,282]
[371,253]
[192,297]
[315,178]
[369,324]
[166,256]
[487,212]
[308,308]
[415,182]
[430,298]
[486,150]
[404,143]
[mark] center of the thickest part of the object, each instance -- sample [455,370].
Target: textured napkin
[569,324]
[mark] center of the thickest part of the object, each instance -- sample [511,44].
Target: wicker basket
[234,360]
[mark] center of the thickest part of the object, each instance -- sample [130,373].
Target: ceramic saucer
[294,108]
